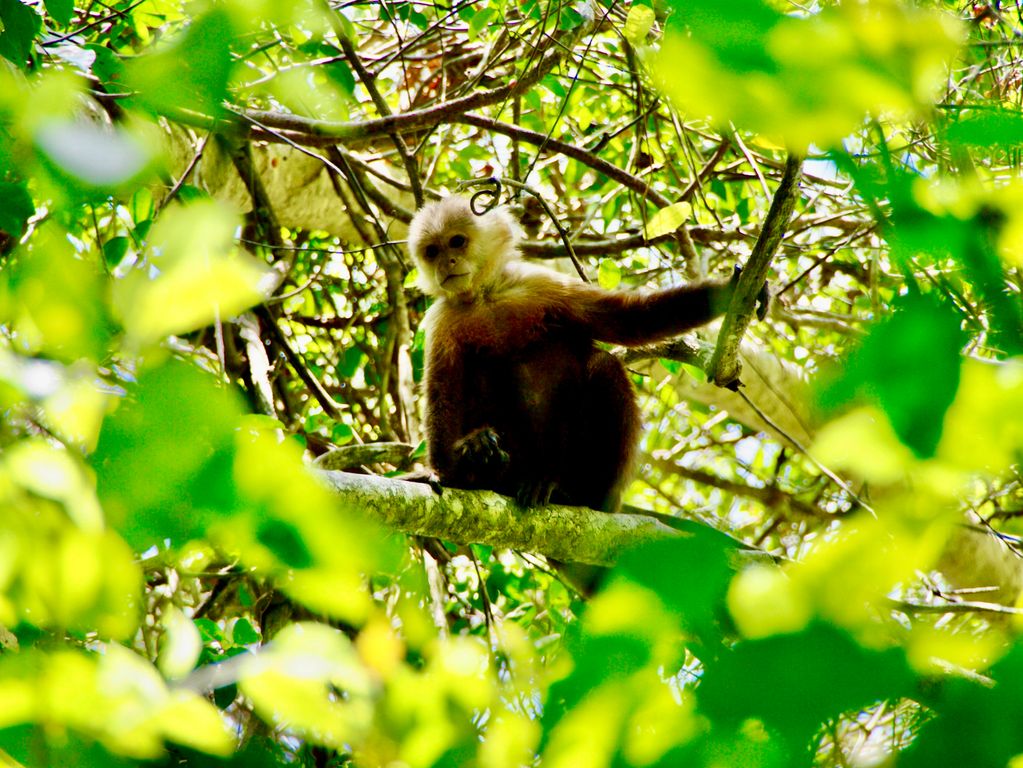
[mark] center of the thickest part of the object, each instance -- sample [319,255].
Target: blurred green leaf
[180,644]
[695,593]
[808,78]
[638,23]
[61,11]
[200,277]
[985,128]
[609,274]
[164,459]
[16,207]
[19,26]
[793,683]
[191,73]
[973,725]
[909,365]
[54,299]
[91,155]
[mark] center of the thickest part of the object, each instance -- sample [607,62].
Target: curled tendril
[487,198]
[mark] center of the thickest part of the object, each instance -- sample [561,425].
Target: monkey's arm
[641,318]
[463,460]
[443,417]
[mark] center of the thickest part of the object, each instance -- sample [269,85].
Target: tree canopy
[210,357]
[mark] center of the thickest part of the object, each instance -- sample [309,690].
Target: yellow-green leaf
[667,220]
[638,24]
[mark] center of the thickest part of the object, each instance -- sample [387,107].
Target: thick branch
[569,534]
[724,366]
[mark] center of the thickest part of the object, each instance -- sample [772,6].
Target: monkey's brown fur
[519,398]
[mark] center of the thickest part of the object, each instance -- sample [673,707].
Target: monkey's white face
[448,258]
[458,253]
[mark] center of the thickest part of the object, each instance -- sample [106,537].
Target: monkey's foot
[535,493]
[479,451]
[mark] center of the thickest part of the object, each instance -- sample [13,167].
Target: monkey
[520,399]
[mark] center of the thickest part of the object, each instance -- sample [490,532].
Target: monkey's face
[458,253]
[449,259]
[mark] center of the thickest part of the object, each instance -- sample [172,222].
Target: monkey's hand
[478,455]
[763,296]
[426,476]
[535,493]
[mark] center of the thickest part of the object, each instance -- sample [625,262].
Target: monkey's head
[458,253]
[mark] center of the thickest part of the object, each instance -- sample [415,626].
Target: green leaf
[285,541]
[19,26]
[55,300]
[638,24]
[244,633]
[16,207]
[200,277]
[667,220]
[609,275]
[341,433]
[61,11]
[970,727]
[164,459]
[909,365]
[795,683]
[807,78]
[351,359]
[985,129]
[191,73]
[180,644]
[696,372]
[114,251]
[106,66]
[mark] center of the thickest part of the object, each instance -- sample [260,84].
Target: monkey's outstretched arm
[631,319]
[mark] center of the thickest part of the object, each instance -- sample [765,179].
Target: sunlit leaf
[609,275]
[983,428]
[54,300]
[764,601]
[808,78]
[638,23]
[667,220]
[180,644]
[199,277]
[292,682]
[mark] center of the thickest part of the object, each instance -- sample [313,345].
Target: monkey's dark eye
[458,241]
[431,252]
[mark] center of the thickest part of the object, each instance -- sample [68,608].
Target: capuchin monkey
[519,397]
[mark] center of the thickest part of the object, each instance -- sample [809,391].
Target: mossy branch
[569,534]
[724,366]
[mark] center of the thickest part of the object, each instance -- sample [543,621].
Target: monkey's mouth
[455,277]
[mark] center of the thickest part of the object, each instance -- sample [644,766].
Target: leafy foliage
[201,288]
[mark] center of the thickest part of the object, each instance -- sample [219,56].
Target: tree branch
[724,365]
[569,534]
